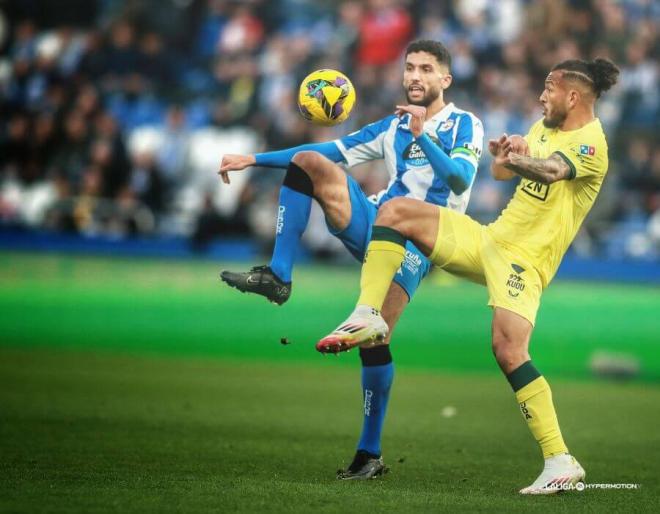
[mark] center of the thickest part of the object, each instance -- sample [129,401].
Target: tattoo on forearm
[545,171]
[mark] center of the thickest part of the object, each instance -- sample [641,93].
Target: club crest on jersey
[587,150]
[446,125]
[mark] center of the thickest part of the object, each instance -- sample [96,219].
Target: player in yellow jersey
[562,162]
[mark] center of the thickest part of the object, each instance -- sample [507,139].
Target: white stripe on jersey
[390,157]
[366,151]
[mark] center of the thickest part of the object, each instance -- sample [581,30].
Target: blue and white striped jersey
[458,133]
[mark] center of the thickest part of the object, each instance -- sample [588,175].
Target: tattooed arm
[544,171]
[500,150]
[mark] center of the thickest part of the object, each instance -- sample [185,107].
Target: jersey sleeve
[586,157]
[469,141]
[365,144]
[282,158]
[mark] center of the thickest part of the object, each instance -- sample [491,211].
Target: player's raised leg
[511,333]
[398,220]
[309,175]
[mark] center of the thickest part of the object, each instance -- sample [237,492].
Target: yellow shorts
[467,249]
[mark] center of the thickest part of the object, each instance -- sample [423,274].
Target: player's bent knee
[319,169]
[508,353]
[501,344]
[308,160]
[391,213]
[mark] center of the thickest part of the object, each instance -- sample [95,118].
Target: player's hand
[496,146]
[499,149]
[505,144]
[232,162]
[417,117]
[519,145]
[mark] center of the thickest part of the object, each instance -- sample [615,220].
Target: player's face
[554,101]
[424,78]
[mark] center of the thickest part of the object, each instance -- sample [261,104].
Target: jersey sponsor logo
[475,149]
[414,155]
[515,283]
[446,125]
[535,189]
[587,150]
[543,139]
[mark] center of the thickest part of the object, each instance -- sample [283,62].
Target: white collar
[443,113]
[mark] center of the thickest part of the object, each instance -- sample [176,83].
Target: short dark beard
[554,122]
[429,97]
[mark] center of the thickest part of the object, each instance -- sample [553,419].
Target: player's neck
[435,108]
[578,118]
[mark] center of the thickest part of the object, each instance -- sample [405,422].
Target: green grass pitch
[135,386]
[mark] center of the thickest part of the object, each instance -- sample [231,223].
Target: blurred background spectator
[116,113]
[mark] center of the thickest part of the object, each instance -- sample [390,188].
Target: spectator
[146,182]
[385,31]
[71,158]
[73,94]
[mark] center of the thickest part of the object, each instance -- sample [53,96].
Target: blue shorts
[357,234]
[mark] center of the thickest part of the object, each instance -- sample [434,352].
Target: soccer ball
[326,97]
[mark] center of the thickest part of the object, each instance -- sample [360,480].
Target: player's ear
[446,81]
[573,98]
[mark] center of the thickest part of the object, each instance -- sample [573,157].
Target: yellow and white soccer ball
[326,97]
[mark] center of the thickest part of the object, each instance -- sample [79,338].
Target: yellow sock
[535,400]
[384,256]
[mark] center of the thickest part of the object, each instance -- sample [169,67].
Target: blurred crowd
[116,113]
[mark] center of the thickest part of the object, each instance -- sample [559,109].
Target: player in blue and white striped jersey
[438,167]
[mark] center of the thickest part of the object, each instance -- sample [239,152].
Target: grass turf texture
[94,432]
[227,419]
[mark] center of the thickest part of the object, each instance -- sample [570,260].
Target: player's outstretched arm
[544,171]
[276,159]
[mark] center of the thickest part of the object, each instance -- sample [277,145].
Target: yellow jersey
[541,220]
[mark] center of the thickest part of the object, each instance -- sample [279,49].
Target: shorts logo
[516,283]
[412,262]
[535,189]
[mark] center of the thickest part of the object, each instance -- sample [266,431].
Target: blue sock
[377,376]
[292,216]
